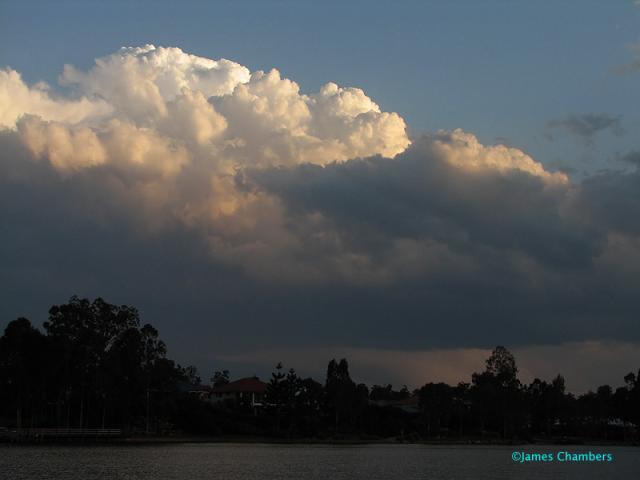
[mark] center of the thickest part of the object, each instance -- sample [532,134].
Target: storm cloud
[240,213]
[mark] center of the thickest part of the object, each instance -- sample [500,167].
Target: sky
[405,184]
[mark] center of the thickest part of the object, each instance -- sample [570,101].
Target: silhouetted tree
[437,406]
[220,378]
[341,392]
[23,370]
[96,366]
[386,392]
[276,394]
[496,392]
[546,404]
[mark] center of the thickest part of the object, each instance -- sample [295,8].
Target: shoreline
[147,441]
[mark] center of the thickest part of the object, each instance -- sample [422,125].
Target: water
[301,462]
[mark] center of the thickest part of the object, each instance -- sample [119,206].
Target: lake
[198,461]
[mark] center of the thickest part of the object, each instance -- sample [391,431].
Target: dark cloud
[412,253]
[518,254]
[632,157]
[419,195]
[586,126]
[612,199]
[407,254]
[206,196]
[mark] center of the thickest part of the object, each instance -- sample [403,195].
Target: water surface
[302,462]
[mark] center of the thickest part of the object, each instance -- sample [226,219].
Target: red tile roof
[244,385]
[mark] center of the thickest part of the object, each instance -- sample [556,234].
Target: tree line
[96,366]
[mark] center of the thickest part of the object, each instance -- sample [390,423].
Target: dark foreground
[96,367]
[301,462]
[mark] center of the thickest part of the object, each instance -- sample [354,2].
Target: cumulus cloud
[586,126]
[156,122]
[65,148]
[17,98]
[234,116]
[159,120]
[447,189]
[464,151]
[613,200]
[138,81]
[197,186]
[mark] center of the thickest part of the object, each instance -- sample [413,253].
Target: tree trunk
[81,407]
[19,413]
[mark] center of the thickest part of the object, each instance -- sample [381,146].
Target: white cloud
[178,133]
[265,179]
[464,151]
[157,122]
[66,148]
[176,120]
[138,81]
[17,98]
[216,108]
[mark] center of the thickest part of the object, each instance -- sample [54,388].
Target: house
[409,405]
[198,391]
[248,391]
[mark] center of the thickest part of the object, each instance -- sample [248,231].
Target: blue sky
[499,69]
[254,225]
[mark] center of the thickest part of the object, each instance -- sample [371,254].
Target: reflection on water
[301,462]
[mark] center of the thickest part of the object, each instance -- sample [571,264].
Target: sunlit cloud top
[199,178]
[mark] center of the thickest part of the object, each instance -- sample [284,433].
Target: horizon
[439,361]
[405,189]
